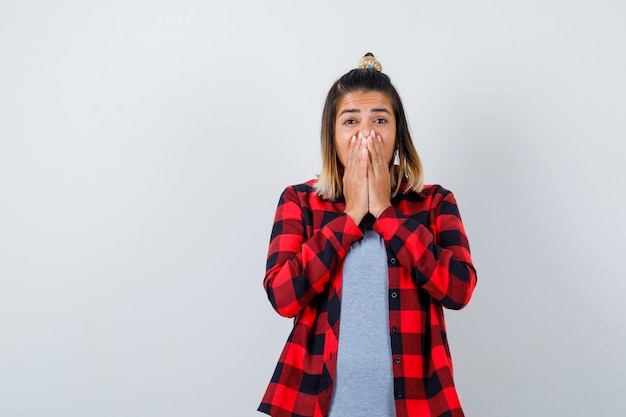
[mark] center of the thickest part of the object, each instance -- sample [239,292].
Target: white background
[144,145]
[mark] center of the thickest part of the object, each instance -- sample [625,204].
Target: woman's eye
[380,121]
[349,122]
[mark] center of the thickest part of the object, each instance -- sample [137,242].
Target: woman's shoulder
[430,196]
[300,191]
[436,195]
[428,191]
[434,189]
[304,187]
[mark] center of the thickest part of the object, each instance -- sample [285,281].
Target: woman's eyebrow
[349,111]
[380,110]
[374,110]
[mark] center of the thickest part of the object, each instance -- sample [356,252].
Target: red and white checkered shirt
[429,268]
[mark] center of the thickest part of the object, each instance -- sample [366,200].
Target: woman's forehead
[364,99]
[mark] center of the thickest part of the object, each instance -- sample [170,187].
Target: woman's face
[360,112]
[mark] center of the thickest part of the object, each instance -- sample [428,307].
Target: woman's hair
[367,77]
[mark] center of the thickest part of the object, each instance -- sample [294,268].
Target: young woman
[365,257]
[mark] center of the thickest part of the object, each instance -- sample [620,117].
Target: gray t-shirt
[364,380]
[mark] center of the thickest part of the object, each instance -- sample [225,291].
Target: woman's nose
[366,129]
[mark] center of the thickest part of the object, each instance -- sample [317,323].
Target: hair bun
[370,62]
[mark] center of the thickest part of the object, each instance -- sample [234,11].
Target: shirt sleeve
[299,266]
[438,257]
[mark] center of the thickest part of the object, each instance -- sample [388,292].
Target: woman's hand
[355,182]
[378,179]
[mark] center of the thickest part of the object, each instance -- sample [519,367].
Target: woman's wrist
[381,210]
[355,216]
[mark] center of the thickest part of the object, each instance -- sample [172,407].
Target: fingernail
[378,137]
[353,139]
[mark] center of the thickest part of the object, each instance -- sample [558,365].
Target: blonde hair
[366,78]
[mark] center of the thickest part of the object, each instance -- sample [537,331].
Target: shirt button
[394,294]
[399,394]
[394,329]
[398,360]
[393,261]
